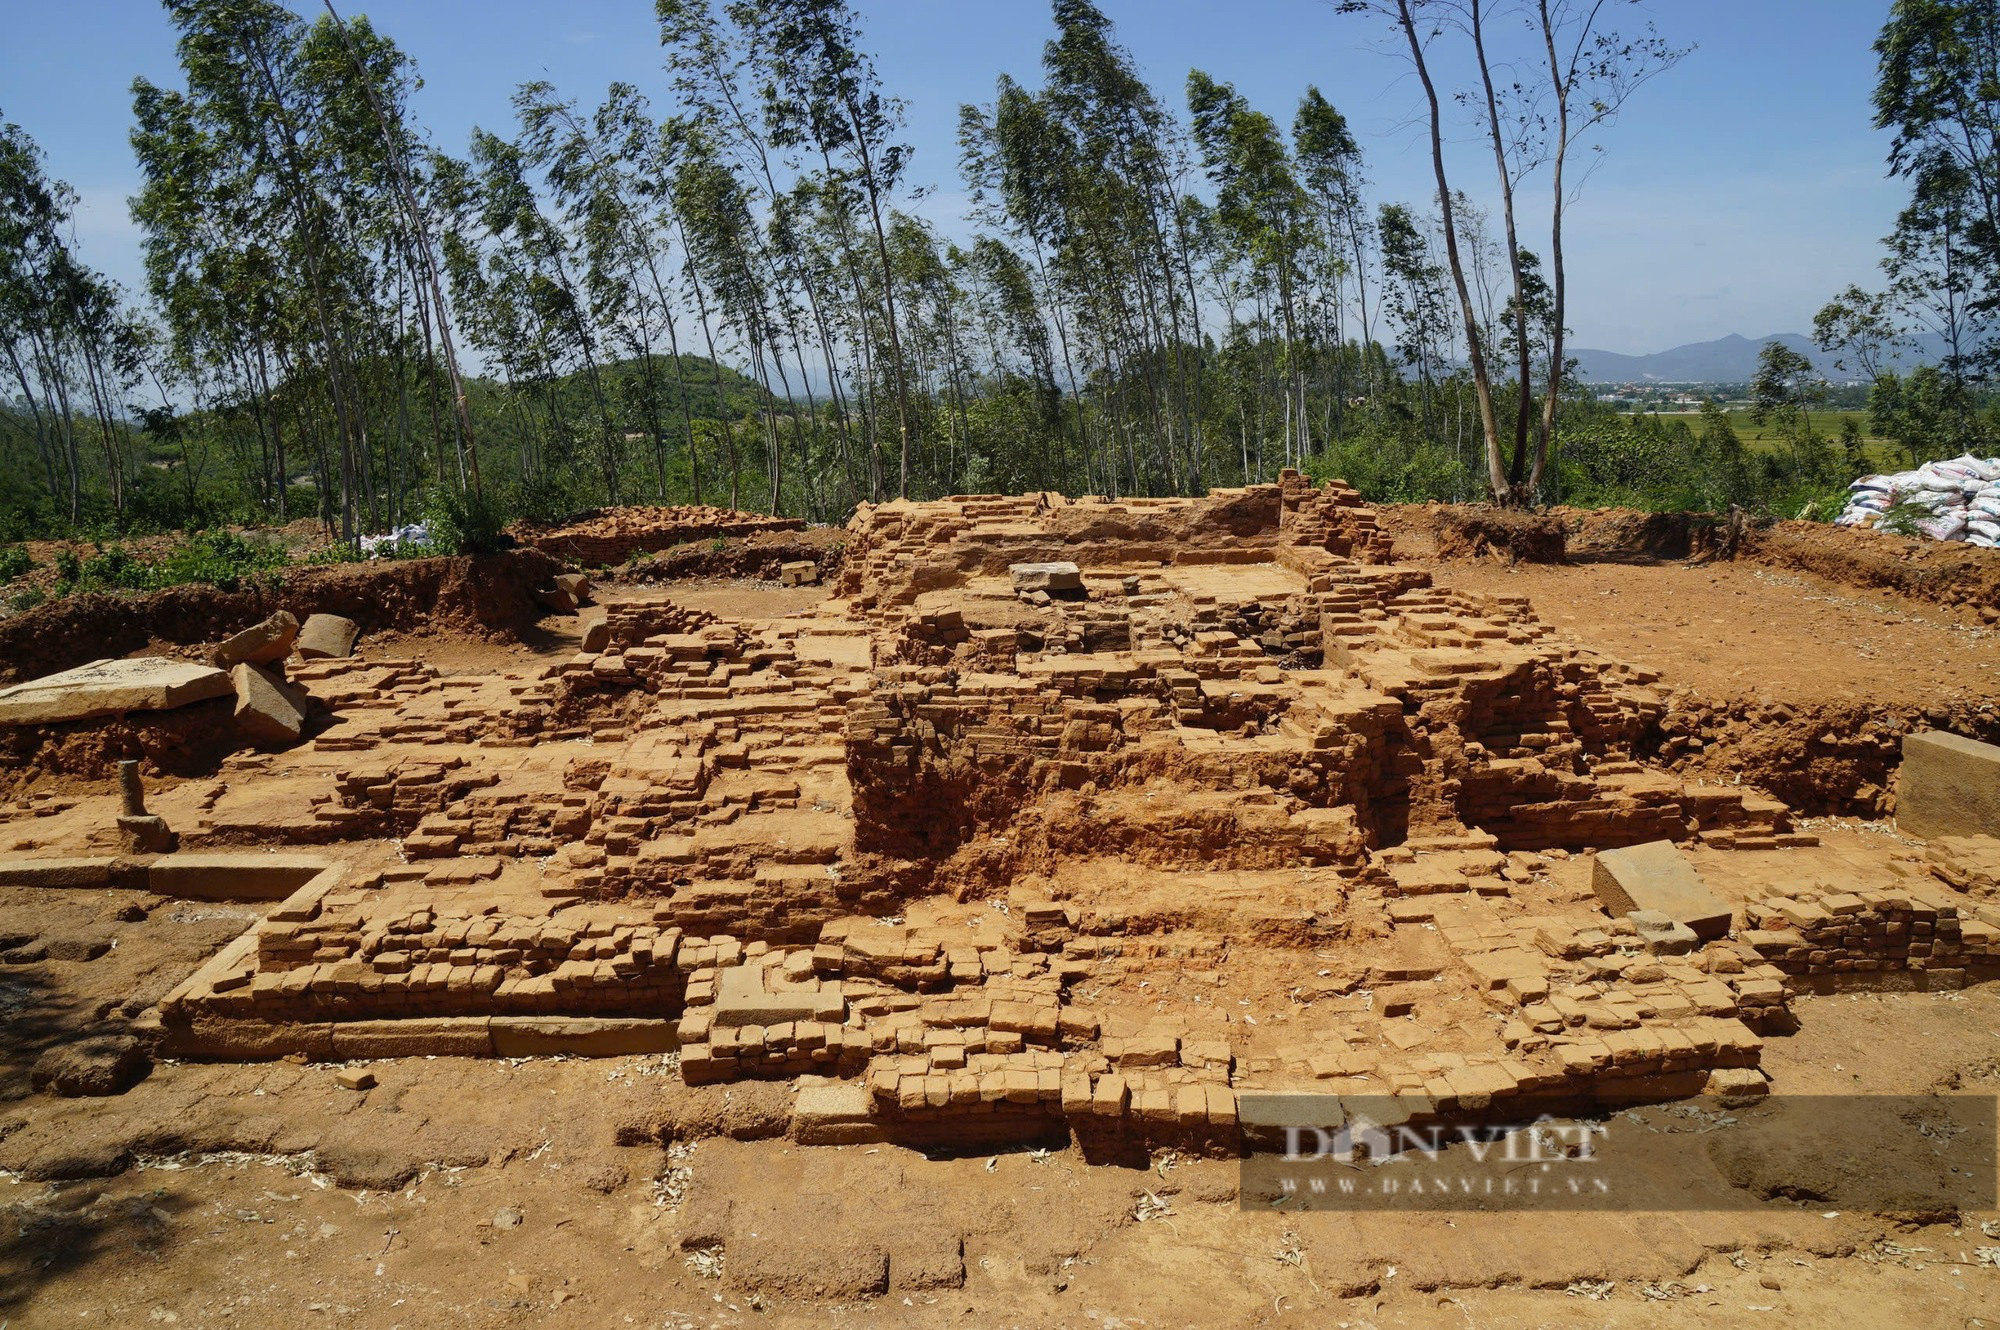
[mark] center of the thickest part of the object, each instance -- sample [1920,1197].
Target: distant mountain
[1731,359]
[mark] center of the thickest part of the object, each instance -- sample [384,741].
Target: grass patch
[214,558]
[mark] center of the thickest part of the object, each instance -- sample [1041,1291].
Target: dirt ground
[1780,678]
[1739,628]
[604,1192]
[483,1193]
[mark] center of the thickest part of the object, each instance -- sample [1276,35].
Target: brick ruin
[607,536]
[933,848]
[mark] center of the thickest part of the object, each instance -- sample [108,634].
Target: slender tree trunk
[888,297]
[420,227]
[1552,398]
[1482,383]
[41,432]
[1524,398]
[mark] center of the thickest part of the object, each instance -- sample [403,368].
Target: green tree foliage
[72,348]
[727,296]
[1937,88]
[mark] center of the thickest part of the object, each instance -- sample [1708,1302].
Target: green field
[1767,437]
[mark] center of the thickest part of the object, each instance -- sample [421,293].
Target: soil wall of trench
[489,595]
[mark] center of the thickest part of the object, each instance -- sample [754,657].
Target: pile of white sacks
[376,547]
[1962,496]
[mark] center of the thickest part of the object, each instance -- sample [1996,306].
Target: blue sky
[1738,192]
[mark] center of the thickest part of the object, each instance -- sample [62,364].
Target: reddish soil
[1784,680]
[572,1192]
[489,595]
[580,1193]
[187,741]
[1474,531]
[606,536]
[1942,572]
[758,556]
[1945,573]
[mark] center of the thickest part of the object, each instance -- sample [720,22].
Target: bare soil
[484,595]
[568,1192]
[755,557]
[1474,531]
[1784,679]
[603,1192]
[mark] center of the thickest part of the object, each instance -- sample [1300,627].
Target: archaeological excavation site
[692,918]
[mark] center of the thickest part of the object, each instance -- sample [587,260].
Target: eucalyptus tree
[1858,325]
[1414,295]
[1015,319]
[1592,72]
[71,345]
[1936,282]
[1015,159]
[283,226]
[1330,168]
[249,95]
[592,168]
[545,258]
[1261,204]
[721,239]
[939,333]
[377,66]
[823,91]
[1121,212]
[34,213]
[1528,120]
[489,288]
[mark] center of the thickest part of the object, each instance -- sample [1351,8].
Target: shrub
[219,558]
[14,562]
[1901,517]
[462,523]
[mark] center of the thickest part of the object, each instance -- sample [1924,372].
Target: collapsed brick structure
[606,536]
[940,846]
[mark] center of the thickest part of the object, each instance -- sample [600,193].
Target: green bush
[218,558]
[1391,466]
[14,562]
[463,523]
[1900,518]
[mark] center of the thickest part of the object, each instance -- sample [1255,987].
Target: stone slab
[740,1000]
[581,1036]
[269,713]
[228,1039]
[55,872]
[422,1036]
[263,643]
[1655,876]
[110,688]
[241,875]
[1046,576]
[1661,935]
[1948,786]
[327,636]
[841,1113]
